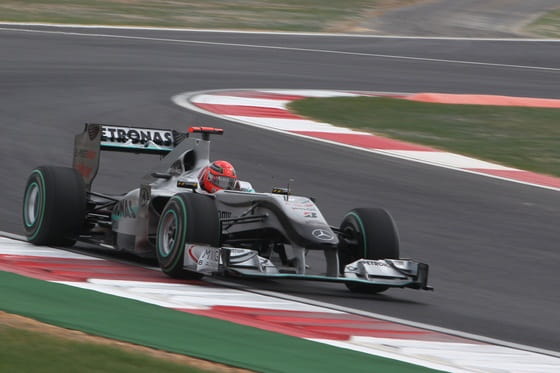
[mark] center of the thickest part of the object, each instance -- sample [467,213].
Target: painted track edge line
[13,236]
[264,32]
[73,250]
[221,282]
[397,320]
[182,99]
[280,48]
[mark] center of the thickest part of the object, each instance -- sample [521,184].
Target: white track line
[16,245]
[227,100]
[397,320]
[288,33]
[290,49]
[450,160]
[455,356]
[183,100]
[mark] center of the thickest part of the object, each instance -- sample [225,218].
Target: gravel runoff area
[465,18]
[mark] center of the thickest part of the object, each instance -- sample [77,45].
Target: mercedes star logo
[322,234]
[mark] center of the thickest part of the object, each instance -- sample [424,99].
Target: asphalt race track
[493,245]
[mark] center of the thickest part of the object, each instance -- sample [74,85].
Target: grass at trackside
[272,15]
[547,25]
[31,351]
[286,15]
[525,138]
[178,332]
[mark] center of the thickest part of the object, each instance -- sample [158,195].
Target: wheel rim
[353,246]
[168,233]
[32,204]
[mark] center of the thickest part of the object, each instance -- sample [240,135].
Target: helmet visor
[224,182]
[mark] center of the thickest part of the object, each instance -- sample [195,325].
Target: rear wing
[98,137]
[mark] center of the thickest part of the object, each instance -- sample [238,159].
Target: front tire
[367,233]
[54,206]
[186,218]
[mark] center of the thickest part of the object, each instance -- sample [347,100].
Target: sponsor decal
[85,154]
[300,204]
[111,135]
[124,209]
[224,214]
[191,253]
[237,251]
[205,258]
[284,191]
[84,170]
[322,234]
[374,263]
[93,131]
[209,255]
[378,268]
[82,161]
[187,184]
[307,207]
[145,194]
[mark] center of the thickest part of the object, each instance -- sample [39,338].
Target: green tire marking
[184,235]
[361,224]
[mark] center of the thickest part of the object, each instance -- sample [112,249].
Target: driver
[217,176]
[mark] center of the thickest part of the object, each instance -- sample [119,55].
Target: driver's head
[217,176]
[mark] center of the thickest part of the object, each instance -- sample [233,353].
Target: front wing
[402,273]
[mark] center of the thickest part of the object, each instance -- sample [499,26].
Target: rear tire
[54,206]
[369,233]
[186,218]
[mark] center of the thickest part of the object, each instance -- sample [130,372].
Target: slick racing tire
[186,218]
[54,206]
[368,233]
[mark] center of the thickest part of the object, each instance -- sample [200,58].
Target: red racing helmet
[217,176]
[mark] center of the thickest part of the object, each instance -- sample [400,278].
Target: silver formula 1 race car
[193,233]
